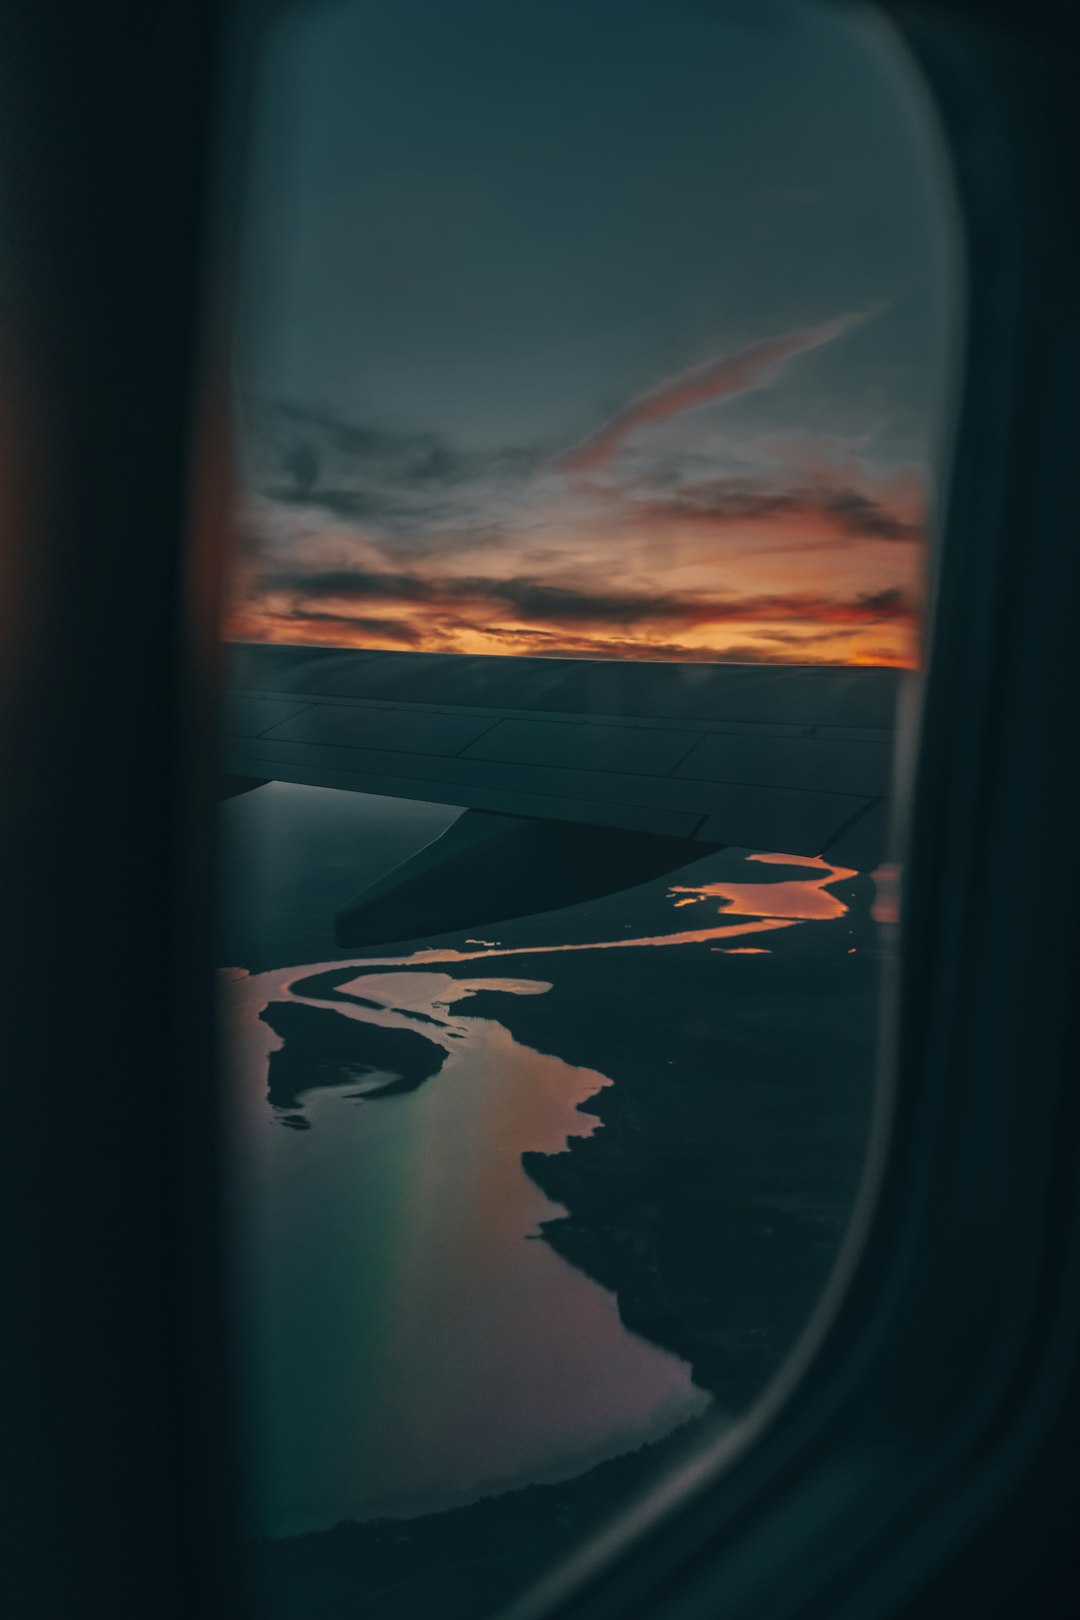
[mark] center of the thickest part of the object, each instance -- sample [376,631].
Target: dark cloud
[299,456]
[860,515]
[353,583]
[402,630]
[731,500]
[428,496]
[538,602]
[281,425]
[890,603]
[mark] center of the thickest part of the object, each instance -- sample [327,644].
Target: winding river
[414,1347]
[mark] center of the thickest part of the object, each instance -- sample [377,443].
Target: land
[712,1203]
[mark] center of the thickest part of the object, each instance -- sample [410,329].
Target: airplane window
[590,371]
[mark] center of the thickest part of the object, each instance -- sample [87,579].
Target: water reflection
[411,1349]
[414,1352]
[886,906]
[802,899]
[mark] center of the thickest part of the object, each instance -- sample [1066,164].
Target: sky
[602,329]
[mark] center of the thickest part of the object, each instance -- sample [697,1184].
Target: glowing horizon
[808,561]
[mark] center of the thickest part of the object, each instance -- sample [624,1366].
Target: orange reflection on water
[802,899]
[689,936]
[886,906]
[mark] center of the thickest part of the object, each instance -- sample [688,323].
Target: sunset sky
[591,329]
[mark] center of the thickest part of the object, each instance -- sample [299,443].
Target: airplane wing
[796,759]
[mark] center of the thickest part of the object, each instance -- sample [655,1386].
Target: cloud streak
[531,602]
[756,366]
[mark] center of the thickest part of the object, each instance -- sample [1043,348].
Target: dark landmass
[712,1203]
[324,1050]
[327,987]
[714,1200]
[459,1565]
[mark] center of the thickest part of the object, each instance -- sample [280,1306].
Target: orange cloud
[383,609]
[753,367]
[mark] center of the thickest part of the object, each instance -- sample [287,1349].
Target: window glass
[590,362]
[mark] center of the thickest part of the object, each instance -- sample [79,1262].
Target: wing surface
[780,757]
